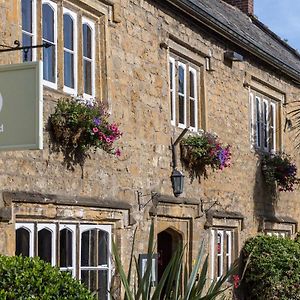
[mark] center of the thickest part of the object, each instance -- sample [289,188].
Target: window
[183,83]
[265,122]
[277,233]
[70,51]
[222,243]
[28,28]
[57,244]
[49,36]
[88,51]
[63,50]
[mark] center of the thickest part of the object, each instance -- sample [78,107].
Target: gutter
[210,21]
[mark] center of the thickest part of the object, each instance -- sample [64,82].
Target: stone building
[159,67]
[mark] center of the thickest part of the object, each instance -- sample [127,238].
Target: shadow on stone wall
[264,196]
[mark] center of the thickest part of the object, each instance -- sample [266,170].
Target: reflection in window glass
[69,52]
[27,30]
[49,54]
[87,58]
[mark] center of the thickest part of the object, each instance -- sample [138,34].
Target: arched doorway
[167,243]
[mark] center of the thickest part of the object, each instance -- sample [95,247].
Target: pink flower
[95,129]
[236,281]
[118,152]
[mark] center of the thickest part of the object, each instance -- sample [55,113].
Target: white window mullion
[220,254]
[273,127]
[228,249]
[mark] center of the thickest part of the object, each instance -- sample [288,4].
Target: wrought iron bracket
[140,195]
[17,47]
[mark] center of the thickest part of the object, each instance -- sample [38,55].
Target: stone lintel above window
[215,218]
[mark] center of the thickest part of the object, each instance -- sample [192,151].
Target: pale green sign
[21,106]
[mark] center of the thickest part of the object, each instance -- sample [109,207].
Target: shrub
[273,270]
[77,126]
[204,149]
[278,168]
[23,278]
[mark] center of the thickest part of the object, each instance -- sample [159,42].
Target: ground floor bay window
[81,249]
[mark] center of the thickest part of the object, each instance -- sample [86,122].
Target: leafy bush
[278,168]
[273,270]
[77,126]
[24,278]
[204,149]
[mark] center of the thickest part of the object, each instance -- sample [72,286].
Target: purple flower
[97,121]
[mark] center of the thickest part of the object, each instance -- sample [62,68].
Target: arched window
[88,57]
[49,36]
[70,38]
[47,243]
[28,28]
[24,239]
[94,260]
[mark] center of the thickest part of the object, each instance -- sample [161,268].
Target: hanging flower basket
[278,169]
[78,126]
[202,150]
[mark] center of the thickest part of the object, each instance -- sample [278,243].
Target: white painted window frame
[258,120]
[72,228]
[252,120]
[106,228]
[91,24]
[53,5]
[30,228]
[34,29]
[221,254]
[184,94]
[73,16]
[195,99]
[52,228]
[173,90]
[228,253]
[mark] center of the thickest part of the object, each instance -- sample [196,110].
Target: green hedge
[273,271]
[31,278]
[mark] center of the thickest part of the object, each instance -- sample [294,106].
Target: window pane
[181,109]
[45,245]
[27,15]
[102,284]
[192,113]
[181,80]
[87,41]
[258,123]
[265,124]
[89,278]
[271,128]
[22,242]
[49,63]
[69,69]
[68,32]
[171,75]
[192,85]
[103,248]
[88,248]
[27,41]
[66,239]
[48,23]
[87,73]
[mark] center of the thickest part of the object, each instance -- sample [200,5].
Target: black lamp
[177,182]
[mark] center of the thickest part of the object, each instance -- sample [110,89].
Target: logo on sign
[1,105]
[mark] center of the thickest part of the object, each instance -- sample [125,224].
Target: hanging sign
[21,106]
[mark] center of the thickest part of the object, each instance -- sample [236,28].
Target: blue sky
[282,17]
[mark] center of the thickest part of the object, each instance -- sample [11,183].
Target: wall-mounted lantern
[177,179]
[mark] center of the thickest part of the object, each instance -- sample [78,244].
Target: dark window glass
[27,41]
[219,257]
[181,109]
[102,284]
[87,77]
[69,69]
[27,15]
[192,85]
[192,113]
[271,128]
[265,125]
[48,23]
[68,32]
[22,242]
[181,80]
[45,245]
[49,55]
[171,75]
[88,248]
[258,123]
[103,247]
[66,245]
[87,41]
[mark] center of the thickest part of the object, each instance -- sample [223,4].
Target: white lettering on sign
[1,128]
